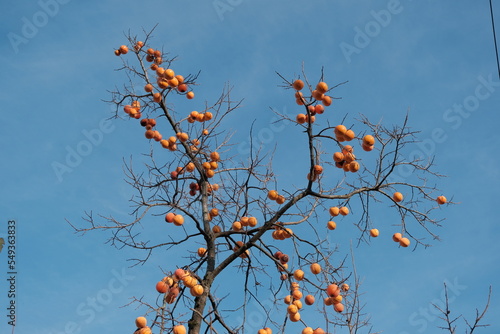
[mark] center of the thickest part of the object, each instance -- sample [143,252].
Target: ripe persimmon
[169,217]
[338,156]
[183,137]
[272,195]
[178,220]
[333,290]
[326,100]
[157,97]
[173,82]
[298,303]
[252,221]
[311,110]
[163,84]
[190,95]
[301,118]
[331,225]
[296,293]
[441,200]
[144,330]
[334,211]
[374,232]
[141,322]
[138,45]
[397,237]
[338,307]
[197,290]
[169,74]
[281,199]
[340,129]
[309,300]
[148,88]
[368,140]
[397,197]
[349,157]
[318,169]
[237,226]
[298,84]
[179,78]
[162,287]
[328,301]
[322,87]
[284,258]
[292,309]
[367,148]
[404,242]
[201,251]
[160,71]
[165,143]
[315,268]
[123,49]
[317,109]
[344,211]
[294,317]
[353,166]
[206,165]
[349,135]
[208,116]
[317,95]
[215,156]
[298,274]
[179,329]
[157,135]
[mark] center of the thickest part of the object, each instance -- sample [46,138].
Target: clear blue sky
[58,63]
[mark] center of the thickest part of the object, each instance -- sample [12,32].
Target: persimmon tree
[243,225]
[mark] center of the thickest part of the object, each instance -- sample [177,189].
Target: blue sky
[429,57]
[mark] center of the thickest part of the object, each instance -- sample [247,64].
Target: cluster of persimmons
[171,286]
